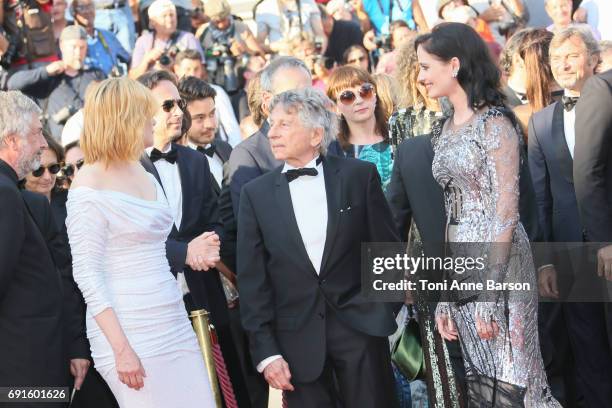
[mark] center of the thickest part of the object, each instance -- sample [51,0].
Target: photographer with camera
[59,88]
[157,48]
[104,51]
[224,40]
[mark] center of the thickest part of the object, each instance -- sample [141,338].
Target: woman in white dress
[141,339]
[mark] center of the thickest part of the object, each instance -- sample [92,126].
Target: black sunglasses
[366,92]
[168,105]
[68,169]
[53,169]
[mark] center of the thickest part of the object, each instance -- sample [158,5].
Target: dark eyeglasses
[356,60]
[68,169]
[366,92]
[168,105]
[53,169]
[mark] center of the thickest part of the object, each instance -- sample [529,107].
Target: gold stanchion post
[201,325]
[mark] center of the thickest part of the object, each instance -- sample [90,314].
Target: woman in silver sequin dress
[477,159]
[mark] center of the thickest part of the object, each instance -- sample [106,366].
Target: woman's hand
[487,330]
[446,327]
[129,368]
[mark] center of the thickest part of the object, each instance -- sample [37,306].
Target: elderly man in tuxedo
[300,229]
[40,321]
[574,55]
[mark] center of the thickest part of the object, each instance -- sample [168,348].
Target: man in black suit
[200,99]
[33,293]
[253,156]
[574,55]
[300,229]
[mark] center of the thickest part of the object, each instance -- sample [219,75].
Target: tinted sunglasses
[68,170]
[53,169]
[348,97]
[168,105]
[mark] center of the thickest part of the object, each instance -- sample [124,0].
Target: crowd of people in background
[217,83]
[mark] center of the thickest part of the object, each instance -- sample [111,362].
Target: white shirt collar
[195,146]
[164,150]
[311,164]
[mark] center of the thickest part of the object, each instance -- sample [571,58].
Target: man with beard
[31,289]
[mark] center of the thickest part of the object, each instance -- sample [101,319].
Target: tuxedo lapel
[333,191]
[562,152]
[150,167]
[283,198]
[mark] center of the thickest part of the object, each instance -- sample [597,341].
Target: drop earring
[455,73]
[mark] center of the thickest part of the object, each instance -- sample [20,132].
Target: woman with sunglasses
[363,120]
[74,160]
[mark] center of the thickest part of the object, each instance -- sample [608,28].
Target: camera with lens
[61,116]
[167,58]
[383,42]
[222,66]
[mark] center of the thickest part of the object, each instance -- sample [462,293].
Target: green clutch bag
[408,353]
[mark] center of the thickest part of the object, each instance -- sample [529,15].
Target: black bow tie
[170,157]
[306,171]
[209,151]
[569,102]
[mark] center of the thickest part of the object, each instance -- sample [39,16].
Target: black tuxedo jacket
[200,214]
[223,151]
[32,298]
[550,163]
[284,301]
[593,157]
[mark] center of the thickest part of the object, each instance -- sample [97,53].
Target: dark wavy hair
[478,75]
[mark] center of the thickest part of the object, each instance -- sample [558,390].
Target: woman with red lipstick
[363,121]
[477,159]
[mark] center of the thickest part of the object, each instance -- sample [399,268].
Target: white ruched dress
[119,262]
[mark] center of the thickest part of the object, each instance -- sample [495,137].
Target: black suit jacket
[413,192]
[31,292]
[550,163]
[593,157]
[223,150]
[199,214]
[249,160]
[284,301]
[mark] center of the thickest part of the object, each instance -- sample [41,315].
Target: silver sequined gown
[477,165]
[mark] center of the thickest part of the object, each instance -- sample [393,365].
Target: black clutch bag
[487,392]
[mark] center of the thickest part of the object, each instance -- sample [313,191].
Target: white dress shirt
[229,127]
[215,163]
[569,128]
[171,182]
[309,202]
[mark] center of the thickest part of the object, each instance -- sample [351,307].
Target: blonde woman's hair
[115,115]
[388,92]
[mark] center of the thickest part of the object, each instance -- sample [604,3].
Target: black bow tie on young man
[292,174]
[569,102]
[209,151]
[170,157]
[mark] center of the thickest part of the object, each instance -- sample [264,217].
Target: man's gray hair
[582,31]
[314,111]
[16,112]
[605,46]
[267,75]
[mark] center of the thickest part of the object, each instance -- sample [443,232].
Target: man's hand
[237,48]
[55,68]
[604,262]
[153,55]
[369,41]
[446,327]
[203,252]
[78,369]
[493,14]
[547,282]
[580,15]
[277,374]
